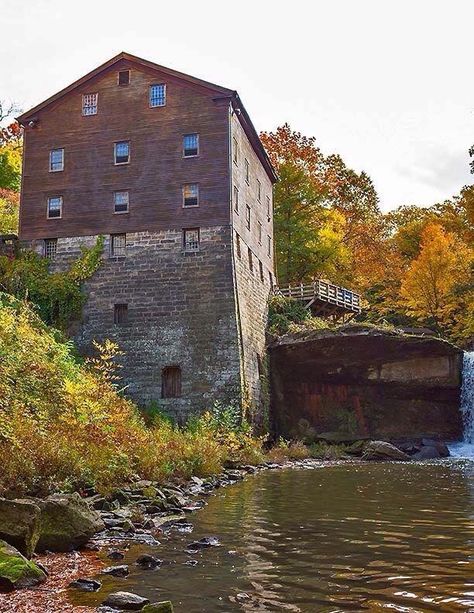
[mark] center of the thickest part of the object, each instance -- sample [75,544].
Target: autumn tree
[11,151]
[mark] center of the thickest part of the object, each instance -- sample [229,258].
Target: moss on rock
[16,571]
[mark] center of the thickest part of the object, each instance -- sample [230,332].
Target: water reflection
[378,537]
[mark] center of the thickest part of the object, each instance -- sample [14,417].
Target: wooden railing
[323,292]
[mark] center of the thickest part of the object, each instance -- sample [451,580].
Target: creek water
[349,537]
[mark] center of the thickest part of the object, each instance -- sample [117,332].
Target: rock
[115,554]
[67,522]
[380,450]
[204,543]
[427,452]
[16,571]
[20,524]
[126,600]
[148,561]
[116,571]
[159,607]
[86,585]
[442,448]
[357,448]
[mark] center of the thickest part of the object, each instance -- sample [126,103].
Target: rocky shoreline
[105,526]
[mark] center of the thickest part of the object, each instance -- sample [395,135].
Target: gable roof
[221,92]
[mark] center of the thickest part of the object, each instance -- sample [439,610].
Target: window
[50,248]
[247,216]
[250,260]
[55,207]
[56,160]
[236,199]
[118,245]
[259,191]
[237,246]
[171,382]
[120,313]
[259,229]
[158,95]
[89,104]
[121,201]
[260,266]
[122,152]
[235,150]
[247,171]
[190,145]
[270,278]
[190,194]
[269,247]
[124,77]
[191,239]
[268,208]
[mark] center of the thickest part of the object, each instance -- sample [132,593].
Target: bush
[324,451]
[285,450]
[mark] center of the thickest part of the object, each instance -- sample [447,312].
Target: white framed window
[118,245]
[90,104]
[247,216]
[50,248]
[190,194]
[121,202]
[259,191]
[236,199]
[56,160]
[55,207]
[190,145]
[157,95]
[235,150]
[247,171]
[123,77]
[122,152]
[259,232]
[191,240]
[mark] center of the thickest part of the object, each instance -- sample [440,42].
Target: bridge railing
[324,292]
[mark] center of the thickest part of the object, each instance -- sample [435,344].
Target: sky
[387,84]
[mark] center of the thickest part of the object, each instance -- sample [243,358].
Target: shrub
[324,451]
[285,450]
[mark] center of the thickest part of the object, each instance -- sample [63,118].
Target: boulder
[380,450]
[116,571]
[204,543]
[148,561]
[16,571]
[159,607]
[86,585]
[126,600]
[427,452]
[20,524]
[67,522]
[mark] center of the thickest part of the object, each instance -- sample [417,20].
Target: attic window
[124,77]
[89,104]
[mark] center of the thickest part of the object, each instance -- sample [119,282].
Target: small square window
[247,171]
[121,201]
[50,248]
[259,232]
[260,266]
[190,145]
[118,245]
[237,246]
[89,104]
[56,160]
[250,254]
[190,194]
[236,199]
[124,77]
[55,207]
[191,239]
[247,216]
[157,95]
[120,314]
[269,247]
[259,191]
[122,152]
[235,150]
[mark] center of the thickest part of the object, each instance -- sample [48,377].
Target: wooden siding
[156,172]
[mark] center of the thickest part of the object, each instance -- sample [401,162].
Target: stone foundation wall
[181,311]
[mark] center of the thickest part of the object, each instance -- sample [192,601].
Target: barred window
[191,239]
[122,152]
[55,207]
[124,77]
[50,248]
[118,245]
[158,95]
[259,232]
[268,208]
[259,190]
[237,246]
[250,254]
[171,382]
[235,150]
[89,104]
[247,216]
[247,171]
[120,313]
[190,194]
[190,145]
[56,160]
[236,199]
[121,201]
